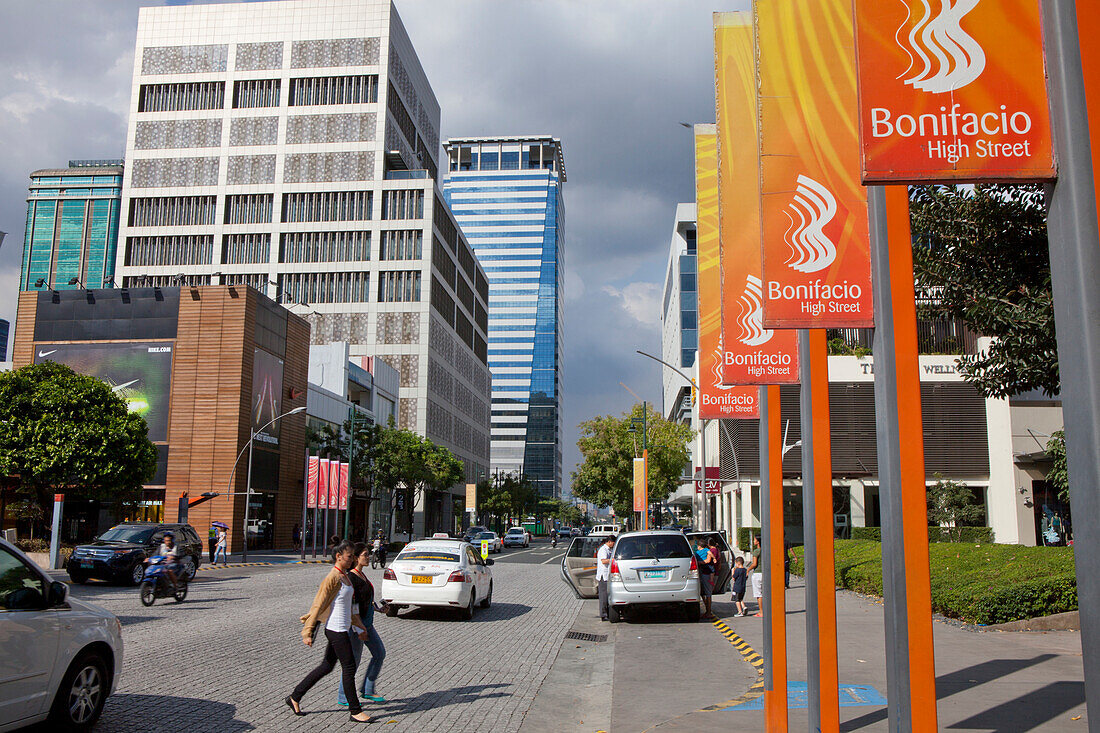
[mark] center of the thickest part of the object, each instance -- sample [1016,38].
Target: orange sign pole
[775,693]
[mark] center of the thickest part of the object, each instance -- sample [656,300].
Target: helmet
[170,534]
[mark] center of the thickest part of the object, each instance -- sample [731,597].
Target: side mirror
[490,561]
[59,593]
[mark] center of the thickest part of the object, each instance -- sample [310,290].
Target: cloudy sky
[612,79]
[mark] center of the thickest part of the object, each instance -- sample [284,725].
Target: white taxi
[441,573]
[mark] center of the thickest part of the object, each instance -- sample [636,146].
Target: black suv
[117,554]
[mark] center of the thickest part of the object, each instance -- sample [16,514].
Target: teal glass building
[72,226]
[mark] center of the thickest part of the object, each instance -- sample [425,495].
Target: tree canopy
[61,431]
[980,254]
[608,447]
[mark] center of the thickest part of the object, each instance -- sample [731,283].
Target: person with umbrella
[220,548]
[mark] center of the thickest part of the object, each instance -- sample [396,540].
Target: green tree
[1059,474]
[65,432]
[951,504]
[981,255]
[608,447]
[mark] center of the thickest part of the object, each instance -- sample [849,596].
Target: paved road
[225,658]
[539,553]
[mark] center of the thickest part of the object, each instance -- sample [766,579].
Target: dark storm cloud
[613,80]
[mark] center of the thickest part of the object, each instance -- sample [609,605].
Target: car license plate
[87,565]
[653,575]
[422,579]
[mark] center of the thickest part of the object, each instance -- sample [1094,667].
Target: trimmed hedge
[969,535]
[744,537]
[982,584]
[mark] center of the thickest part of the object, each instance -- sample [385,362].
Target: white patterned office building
[293,146]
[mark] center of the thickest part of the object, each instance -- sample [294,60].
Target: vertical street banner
[322,483]
[753,354]
[344,486]
[814,222]
[952,91]
[639,485]
[333,484]
[312,481]
[716,400]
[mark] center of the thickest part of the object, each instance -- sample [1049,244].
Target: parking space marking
[750,656]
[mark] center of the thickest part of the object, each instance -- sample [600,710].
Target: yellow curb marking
[750,656]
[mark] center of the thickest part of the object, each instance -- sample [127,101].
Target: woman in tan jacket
[334,610]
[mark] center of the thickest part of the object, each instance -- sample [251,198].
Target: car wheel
[83,691]
[188,568]
[613,615]
[392,610]
[489,597]
[79,578]
[691,610]
[137,572]
[468,612]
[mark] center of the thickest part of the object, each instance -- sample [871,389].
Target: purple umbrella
[223,525]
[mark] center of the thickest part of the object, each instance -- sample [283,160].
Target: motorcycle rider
[171,552]
[553,536]
[378,548]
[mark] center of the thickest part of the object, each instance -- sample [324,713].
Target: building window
[327,206]
[333,90]
[403,204]
[402,245]
[256,93]
[400,114]
[181,97]
[325,247]
[325,287]
[252,208]
[167,211]
[160,251]
[246,249]
[399,286]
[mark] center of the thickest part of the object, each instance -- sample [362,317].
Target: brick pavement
[225,658]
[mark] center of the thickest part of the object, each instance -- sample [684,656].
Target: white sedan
[61,657]
[441,573]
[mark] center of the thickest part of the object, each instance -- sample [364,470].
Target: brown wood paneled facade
[216,336]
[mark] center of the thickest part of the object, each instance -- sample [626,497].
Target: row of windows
[249,208]
[325,287]
[170,250]
[325,247]
[172,211]
[246,249]
[402,245]
[327,206]
[502,156]
[399,286]
[404,204]
[251,93]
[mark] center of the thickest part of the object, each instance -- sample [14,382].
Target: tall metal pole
[1074,238]
[817,513]
[910,664]
[645,463]
[703,460]
[328,496]
[773,551]
[248,493]
[351,453]
[305,494]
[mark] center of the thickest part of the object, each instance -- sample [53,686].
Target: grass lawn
[983,584]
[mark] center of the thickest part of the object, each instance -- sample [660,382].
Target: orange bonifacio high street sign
[952,90]
[814,226]
[752,353]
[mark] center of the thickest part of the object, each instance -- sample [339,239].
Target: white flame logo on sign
[949,57]
[751,319]
[815,207]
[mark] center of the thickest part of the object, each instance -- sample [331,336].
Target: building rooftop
[478,139]
[109,170]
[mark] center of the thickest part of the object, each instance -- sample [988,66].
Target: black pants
[601,591]
[338,648]
[212,542]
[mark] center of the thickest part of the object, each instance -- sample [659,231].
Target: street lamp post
[703,444]
[248,485]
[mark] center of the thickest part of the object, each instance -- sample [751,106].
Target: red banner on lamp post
[344,477]
[333,484]
[322,483]
[312,478]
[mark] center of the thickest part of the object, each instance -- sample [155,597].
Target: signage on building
[712,482]
[751,354]
[471,497]
[814,225]
[716,400]
[267,396]
[954,91]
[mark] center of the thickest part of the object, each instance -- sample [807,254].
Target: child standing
[740,575]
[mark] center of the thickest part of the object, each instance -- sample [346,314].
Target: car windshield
[659,547]
[486,536]
[416,555]
[139,535]
[515,531]
[585,546]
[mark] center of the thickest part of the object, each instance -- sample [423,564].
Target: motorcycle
[554,541]
[378,555]
[155,583]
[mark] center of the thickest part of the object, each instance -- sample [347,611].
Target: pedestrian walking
[757,576]
[364,600]
[788,555]
[212,541]
[297,535]
[333,610]
[708,564]
[603,573]
[221,546]
[740,575]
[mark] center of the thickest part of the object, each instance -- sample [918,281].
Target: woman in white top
[334,608]
[219,550]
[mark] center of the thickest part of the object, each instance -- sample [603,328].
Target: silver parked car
[653,568]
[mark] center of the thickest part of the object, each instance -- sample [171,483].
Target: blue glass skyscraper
[506,193]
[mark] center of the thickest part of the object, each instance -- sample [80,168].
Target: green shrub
[983,584]
[744,537]
[970,535]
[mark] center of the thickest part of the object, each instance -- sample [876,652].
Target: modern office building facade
[292,146]
[679,315]
[72,225]
[506,193]
[5,328]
